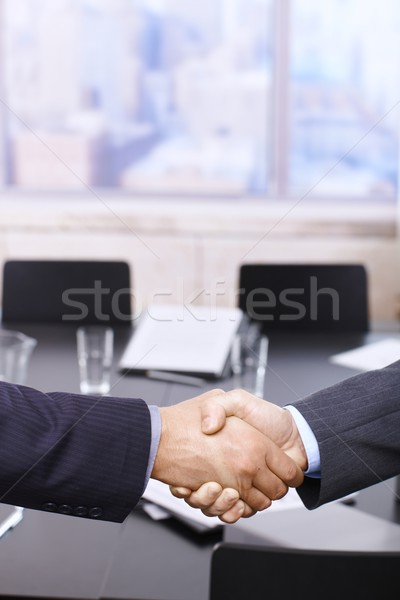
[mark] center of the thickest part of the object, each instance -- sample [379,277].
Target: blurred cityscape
[345,97]
[177,97]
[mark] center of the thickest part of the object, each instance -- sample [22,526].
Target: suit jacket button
[80,511]
[65,509]
[49,506]
[95,512]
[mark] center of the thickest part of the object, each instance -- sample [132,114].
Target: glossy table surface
[58,556]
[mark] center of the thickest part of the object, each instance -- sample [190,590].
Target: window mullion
[280,145]
[3,116]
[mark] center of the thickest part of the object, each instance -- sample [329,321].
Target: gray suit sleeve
[79,455]
[357,426]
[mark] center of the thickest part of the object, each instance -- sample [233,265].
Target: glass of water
[95,347]
[249,356]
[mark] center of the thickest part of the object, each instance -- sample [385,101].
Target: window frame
[277,196]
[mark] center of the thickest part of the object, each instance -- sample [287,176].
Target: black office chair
[66,291]
[312,297]
[245,572]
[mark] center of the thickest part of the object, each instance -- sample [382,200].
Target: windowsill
[105,211]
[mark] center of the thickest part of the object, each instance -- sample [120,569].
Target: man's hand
[237,456]
[270,420]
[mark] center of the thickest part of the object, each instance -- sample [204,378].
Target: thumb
[213,417]
[227,404]
[215,411]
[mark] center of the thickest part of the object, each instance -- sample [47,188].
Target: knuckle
[216,391]
[280,492]
[291,473]
[209,513]
[264,504]
[247,466]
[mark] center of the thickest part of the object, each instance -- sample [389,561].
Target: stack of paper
[158,493]
[10,516]
[195,340]
[372,356]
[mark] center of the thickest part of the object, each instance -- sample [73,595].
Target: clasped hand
[229,453]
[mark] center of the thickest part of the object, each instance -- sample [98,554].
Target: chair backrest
[312,297]
[66,291]
[240,571]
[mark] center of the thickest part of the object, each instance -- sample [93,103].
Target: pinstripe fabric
[72,451]
[357,425]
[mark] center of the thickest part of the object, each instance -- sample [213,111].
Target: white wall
[180,249]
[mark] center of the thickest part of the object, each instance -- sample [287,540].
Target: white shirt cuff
[309,442]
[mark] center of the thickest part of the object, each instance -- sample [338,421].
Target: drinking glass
[249,355]
[95,347]
[15,351]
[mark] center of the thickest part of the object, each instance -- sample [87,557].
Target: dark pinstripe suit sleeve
[79,455]
[357,426]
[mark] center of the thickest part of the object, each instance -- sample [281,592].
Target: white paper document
[159,494]
[372,356]
[333,526]
[195,340]
[10,516]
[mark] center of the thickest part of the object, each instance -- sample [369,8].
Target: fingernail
[207,424]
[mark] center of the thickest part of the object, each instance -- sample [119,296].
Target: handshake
[229,453]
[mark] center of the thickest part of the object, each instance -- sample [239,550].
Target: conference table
[57,556]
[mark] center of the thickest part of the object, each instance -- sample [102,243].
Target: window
[344,97]
[262,98]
